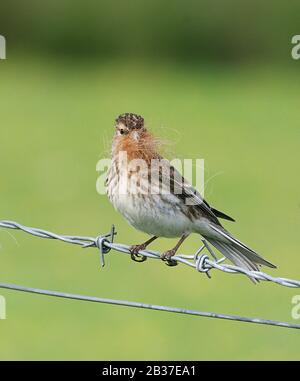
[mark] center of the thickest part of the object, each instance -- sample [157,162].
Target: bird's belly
[150,215]
[154,214]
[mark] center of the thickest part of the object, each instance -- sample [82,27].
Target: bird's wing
[220,214]
[183,190]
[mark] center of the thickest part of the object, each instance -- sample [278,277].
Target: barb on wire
[199,261]
[202,263]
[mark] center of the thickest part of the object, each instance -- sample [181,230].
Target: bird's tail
[234,250]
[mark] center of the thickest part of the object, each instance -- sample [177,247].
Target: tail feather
[251,254]
[242,258]
[235,257]
[236,251]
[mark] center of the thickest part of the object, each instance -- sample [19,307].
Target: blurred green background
[218,80]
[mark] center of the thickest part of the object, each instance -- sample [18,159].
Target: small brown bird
[157,200]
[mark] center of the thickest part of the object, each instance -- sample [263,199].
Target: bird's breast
[143,205]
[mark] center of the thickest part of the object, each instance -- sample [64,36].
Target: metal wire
[148,306]
[201,263]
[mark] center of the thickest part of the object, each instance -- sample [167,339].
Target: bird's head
[132,136]
[130,126]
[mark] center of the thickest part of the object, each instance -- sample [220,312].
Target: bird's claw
[166,257]
[134,253]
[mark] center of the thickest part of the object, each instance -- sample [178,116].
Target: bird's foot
[134,252]
[167,255]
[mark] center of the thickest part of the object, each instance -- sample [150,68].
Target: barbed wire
[201,263]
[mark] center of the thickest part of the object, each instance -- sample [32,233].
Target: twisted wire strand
[202,263]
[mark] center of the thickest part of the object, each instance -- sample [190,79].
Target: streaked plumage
[163,203]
